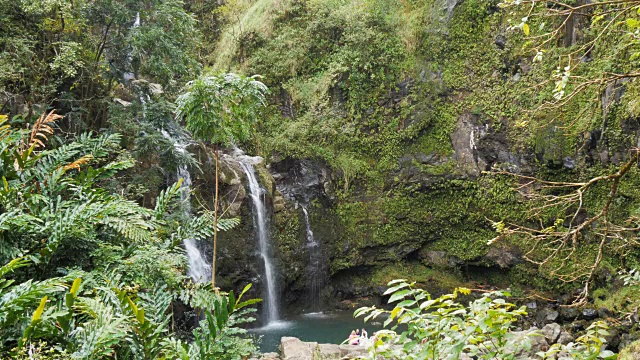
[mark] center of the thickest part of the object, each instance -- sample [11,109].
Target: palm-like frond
[42,129]
[201,227]
[105,329]
[17,301]
[164,199]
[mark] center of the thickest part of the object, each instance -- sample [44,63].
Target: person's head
[357,331]
[353,332]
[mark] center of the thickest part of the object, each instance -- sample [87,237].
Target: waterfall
[199,269]
[130,75]
[263,236]
[315,269]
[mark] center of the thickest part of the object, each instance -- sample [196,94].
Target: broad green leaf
[38,313]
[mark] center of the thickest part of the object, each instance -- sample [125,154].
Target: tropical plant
[18,301]
[103,317]
[221,109]
[219,335]
[441,328]
[50,198]
[589,346]
[590,52]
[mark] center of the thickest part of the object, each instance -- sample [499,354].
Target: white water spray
[262,233]
[199,269]
[315,268]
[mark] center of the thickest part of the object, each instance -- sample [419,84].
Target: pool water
[329,328]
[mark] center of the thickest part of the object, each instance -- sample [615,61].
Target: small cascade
[130,75]
[199,269]
[315,269]
[264,241]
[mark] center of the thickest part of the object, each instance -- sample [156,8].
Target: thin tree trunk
[215,223]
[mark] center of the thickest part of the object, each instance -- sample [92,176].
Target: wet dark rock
[627,339]
[589,313]
[578,325]
[604,313]
[569,313]
[504,257]
[301,180]
[569,162]
[613,339]
[500,41]
[464,141]
[545,316]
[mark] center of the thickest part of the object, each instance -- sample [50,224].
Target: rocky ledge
[292,348]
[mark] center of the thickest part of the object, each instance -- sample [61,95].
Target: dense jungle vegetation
[457,144]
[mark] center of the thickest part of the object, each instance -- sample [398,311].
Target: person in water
[353,338]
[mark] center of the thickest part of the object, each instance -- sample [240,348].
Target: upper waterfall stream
[315,272]
[260,222]
[199,269]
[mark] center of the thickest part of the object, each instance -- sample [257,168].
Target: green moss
[630,352]
[427,277]
[625,299]
[364,83]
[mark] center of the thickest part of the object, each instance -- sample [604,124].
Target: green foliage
[440,328]
[223,108]
[54,201]
[219,335]
[588,346]
[17,301]
[76,53]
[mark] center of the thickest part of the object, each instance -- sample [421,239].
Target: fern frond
[13,265]
[166,197]
[5,129]
[156,304]
[76,164]
[42,129]
[105,329]
[19,300]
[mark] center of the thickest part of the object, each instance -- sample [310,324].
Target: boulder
[504,257]
[535,338]
[293,349]
[352,351]
[551,332]
[545,316]
[327,352]
[589,313]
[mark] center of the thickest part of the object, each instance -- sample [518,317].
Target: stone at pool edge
[292,348]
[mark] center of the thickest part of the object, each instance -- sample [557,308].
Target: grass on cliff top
[257,18]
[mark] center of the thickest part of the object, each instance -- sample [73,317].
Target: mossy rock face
[631,352]
[389,114]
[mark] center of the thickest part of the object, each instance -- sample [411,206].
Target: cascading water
[262,232]
[130,75]
[199,269]
[315,269]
